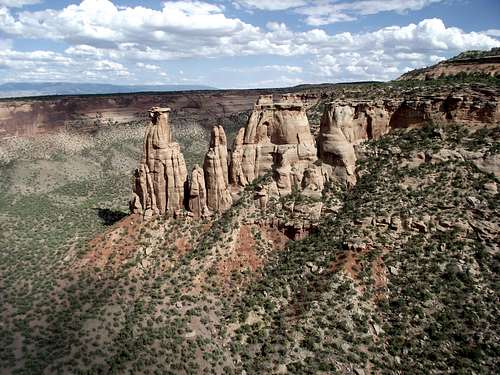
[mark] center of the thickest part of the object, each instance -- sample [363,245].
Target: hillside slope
[402,275]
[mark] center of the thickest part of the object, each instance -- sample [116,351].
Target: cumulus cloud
[370,66]
[270,5]
[386,53]
[198,29]
[493,32]
[18,3]
[323,12]
[280,81]
[112,41]
[100,22]
[54,66]
[266,68]
[148,66]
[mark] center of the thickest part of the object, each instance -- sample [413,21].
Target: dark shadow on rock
[109,217]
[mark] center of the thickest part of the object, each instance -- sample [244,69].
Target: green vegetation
[467,55]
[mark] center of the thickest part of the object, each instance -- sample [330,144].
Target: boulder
[490,164]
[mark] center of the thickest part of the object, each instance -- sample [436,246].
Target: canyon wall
[488,66]
[41,115]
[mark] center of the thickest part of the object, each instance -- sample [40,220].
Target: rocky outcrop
[277,143]
[215,168]
[160,180]
[277,139]
[313,182]
[346,123]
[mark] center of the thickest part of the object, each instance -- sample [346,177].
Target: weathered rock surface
[313,182]
[161,178]
[489,164]
[215,167]
[198,193]
[339,130]
[277,142]
[346,123]
[277,138]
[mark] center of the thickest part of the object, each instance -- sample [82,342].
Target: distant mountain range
[17,89]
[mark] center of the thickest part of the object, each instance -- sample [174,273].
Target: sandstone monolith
[215,168]
[160,179]
[336,149]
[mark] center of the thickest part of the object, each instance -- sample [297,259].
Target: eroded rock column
[160,179]
[216,172]
[335,145]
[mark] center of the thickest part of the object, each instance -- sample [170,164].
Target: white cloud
[54,66]
[323,12]
[270,4]
[148,66]
[493,32]
[184,29]
[266,68]
[18,3]
[281,81]
[100,22]
[111,68]
[376,6]
[110,42]
[5,44]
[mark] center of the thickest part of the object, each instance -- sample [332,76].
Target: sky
[236,43]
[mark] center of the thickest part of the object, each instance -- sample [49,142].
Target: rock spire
[215,167]
[160,179]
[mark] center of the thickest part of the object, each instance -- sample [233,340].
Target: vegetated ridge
[466,64]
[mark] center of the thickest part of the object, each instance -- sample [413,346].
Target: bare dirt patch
[244,256]
[114,246]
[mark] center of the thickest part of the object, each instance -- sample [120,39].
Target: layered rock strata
[160,179]
[346,123]
[361,120]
